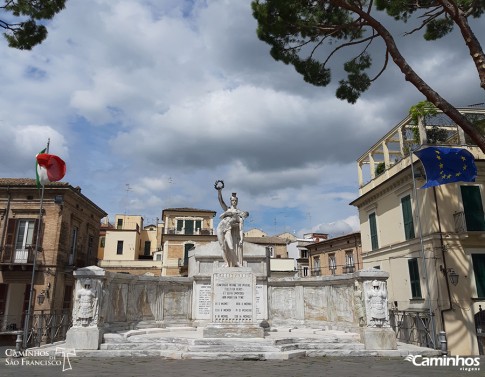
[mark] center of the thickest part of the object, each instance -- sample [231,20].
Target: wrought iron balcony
[17,256]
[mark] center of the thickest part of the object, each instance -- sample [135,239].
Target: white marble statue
[376,300]
[86,305]
[230,229]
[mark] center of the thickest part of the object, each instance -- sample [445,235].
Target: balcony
[461,227]
[17,256]
[349,269]
[316,272]
[190,232]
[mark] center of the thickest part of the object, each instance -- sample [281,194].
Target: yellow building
[184,229]
[431,241]
[129,246]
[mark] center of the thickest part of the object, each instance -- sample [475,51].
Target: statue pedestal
[83,338]
[379,338]
[233,309]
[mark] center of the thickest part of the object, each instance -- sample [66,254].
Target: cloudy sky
[150,102]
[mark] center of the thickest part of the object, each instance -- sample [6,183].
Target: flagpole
[425,270]
[39,226]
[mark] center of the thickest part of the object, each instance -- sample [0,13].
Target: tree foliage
[22,20]
[308,33]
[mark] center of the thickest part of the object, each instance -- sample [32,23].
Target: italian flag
[49,168]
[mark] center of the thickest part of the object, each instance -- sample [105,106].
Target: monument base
[379,338]
[83,338]
[217,330]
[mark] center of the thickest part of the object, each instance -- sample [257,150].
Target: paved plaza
[47,361]
[318,366]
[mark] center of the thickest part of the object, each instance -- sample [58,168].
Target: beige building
[335,256]
[431,241]
[184,229]
[130,246]
[66,239]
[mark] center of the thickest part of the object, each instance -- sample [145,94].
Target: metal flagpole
[39,226]
[425,270]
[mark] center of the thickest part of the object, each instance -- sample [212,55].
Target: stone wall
[127,301]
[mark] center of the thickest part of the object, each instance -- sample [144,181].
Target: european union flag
[446,165]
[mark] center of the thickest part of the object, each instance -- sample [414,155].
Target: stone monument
[233,287]
[378,334]
[85,333]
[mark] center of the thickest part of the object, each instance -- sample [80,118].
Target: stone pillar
[87,323]
[377,334]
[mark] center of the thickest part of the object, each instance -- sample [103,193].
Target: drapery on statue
[86,304]
[377,301]
[230,229]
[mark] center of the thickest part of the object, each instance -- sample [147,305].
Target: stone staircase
[189,344]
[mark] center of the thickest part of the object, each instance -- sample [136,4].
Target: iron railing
[412,327]
[44,327]
[17,256]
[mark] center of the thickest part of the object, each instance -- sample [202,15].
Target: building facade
[130,246]
[65,235]
[184,228]
[431,241]
[335,256]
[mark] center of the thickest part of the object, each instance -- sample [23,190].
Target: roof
[32,183]
[187,209]
[266,240]
[339,238]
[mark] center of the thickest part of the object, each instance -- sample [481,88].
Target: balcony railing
[196,232]
[17,256]
[459,219]
[316,272]
[349,269]
[460,223]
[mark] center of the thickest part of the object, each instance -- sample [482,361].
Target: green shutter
[472,204]
[180,224]
[373,231]
[198,224]
[479,270]
[414,278]
[407,214]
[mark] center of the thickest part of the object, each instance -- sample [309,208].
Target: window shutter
[407,214]
[479,270]
[472,204]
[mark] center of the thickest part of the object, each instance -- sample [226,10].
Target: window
[119,248]
[24,239]
[66,303]
[147,248]
[414,278]
[90,247]
[270,251]
[187,247]
[305,271]
[189,226]
[478,261]
[72,252]
[407,214]
[304,254]
[119,225]
[316,266]
[332,264]
[25,234]
[349,261]
[373,231]
[102,241]
[473,207]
